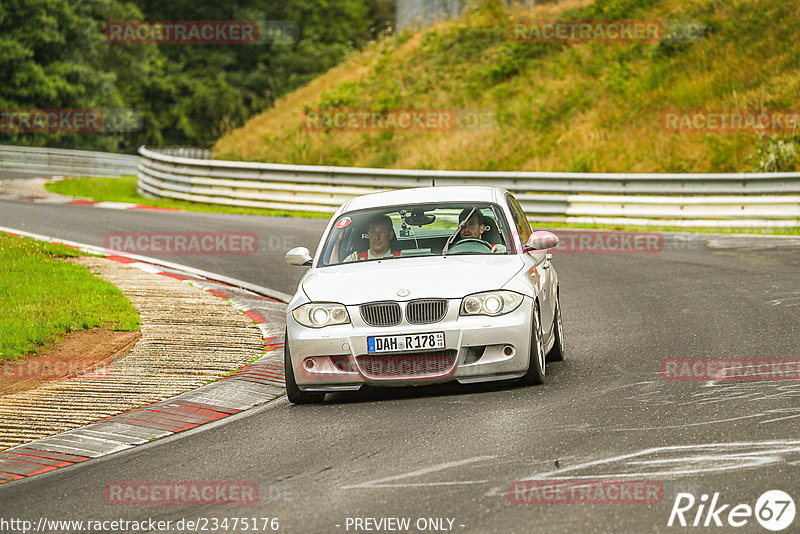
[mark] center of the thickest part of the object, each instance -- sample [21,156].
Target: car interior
[407,237]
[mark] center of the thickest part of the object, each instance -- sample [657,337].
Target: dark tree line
[53,55]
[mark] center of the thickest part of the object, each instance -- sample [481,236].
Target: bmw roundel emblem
[403,293]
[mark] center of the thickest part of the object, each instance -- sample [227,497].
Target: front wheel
[536,359]
[294,393]
[556,354]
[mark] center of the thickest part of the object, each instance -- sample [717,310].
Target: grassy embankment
[42,297]
[584,107]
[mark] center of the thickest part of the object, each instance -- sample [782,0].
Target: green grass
[123,189]
[42,297]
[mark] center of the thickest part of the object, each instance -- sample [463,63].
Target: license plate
[433,340]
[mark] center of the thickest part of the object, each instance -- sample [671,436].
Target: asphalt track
[452,451]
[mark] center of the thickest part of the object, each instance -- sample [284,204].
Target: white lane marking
[721,453]
[589,428]
[780,419]
[115,205]
[383,482]
[265,328]
[49,200]
[721,392]
[694,459]
[667,427]
[146,267]
[778,302]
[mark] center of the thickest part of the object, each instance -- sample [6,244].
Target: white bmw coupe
[423,286]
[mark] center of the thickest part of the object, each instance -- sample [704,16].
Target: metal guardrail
[186,152]
[771,199]
[52,161]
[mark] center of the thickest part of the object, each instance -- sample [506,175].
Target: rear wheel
[294,393]
[536,363]
[556,354]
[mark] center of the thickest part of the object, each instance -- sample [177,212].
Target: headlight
[491,303]
[319,314]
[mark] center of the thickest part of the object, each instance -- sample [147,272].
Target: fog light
[508,350]
[474,354]
[342,363]
[309,363]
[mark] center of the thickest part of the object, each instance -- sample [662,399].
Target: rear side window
[520,222]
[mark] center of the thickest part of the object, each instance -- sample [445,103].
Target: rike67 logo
[774,510]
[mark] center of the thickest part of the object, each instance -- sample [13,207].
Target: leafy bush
[778,154]
[612,9]
[513,58]
[341,96]
[679,35]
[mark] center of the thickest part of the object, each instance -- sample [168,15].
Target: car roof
[447,193]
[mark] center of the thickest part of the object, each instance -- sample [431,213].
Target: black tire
[293,393]
[536,363]
[556,353]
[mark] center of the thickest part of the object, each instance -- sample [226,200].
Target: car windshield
[416,230]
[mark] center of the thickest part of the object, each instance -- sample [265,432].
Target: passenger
[474,229]
[381,236]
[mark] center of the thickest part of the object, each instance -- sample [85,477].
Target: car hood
[429,277]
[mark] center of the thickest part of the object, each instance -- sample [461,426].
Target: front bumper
[482,349]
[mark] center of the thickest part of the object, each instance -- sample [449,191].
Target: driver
[381,234]
[474,229]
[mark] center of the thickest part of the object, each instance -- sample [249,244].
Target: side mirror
[541,240]
[299,256]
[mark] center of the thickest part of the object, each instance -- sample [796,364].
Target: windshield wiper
[460,226]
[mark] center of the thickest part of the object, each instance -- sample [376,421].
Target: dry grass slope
[593,107]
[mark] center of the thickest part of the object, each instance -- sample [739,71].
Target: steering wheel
[468,245]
